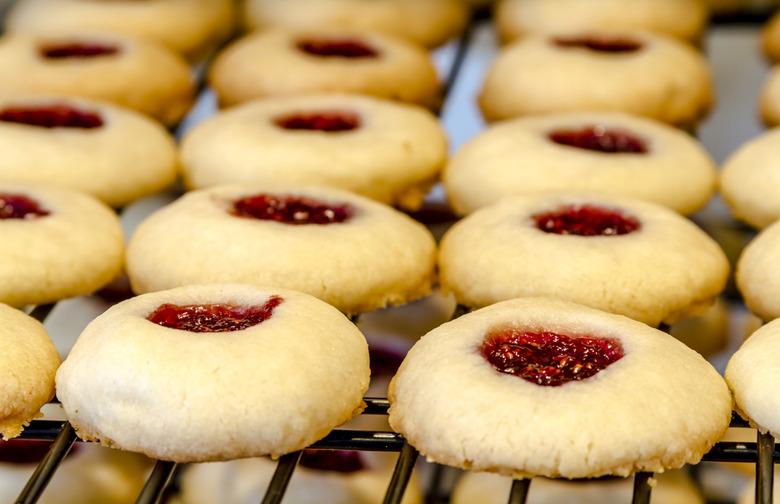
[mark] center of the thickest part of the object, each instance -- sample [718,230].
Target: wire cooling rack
[452,59]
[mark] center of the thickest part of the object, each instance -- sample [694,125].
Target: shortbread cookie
[769,98]
[544,387]
[277,371]
[750,180]
[683,19]
[190,27]
[753,378]
[610,152]
[616,254]
[388,151]
[430,23]
[136,73]
[770,38]
[348,250]
[113,153]
[641,73]
[282,62]
[59,244]
[321,477]
[757,275]
[29,361]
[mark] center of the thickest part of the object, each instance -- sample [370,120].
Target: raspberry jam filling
[548,358]
[19,206]
[342,461]
[27,451]
[52,116]
[330,121]
[343,48]
[289,210]
[77,50]
[585,220]
[600,139]
[213,317]
[601,43]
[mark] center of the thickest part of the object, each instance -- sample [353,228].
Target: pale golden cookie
[769,98]
[610,152]
[283,62]
[616,254]
[683,19]
[61,244]
[28,363]
[652,404]
[363,256]
[640,73]
[113,153]
[389,151]
[750,180]
[136,73]
[757,274]
[770,38]
[283,375]
[430,23]
[753,377]
[190,27]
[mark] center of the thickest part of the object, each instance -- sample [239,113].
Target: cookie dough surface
[76,249]
[268,389]
[129,156]
[518,156]
[27,366]
[392,153]
[665,271]
[379,256]
[658,407]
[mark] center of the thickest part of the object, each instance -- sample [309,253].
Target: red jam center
[600,139]
[585,220]
[547,358]
[602,43]
[332,460]
[19,206]
[26,451]
[289,210]
[214,317]
[52,116]
[77,50]
[330,121]
[343,48]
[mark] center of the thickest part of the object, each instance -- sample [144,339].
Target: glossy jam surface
[77,50]
[604,43]
[600,139]
[19,206]
[27,451]
[329,121]
[586,220]
[342,461]
[213,317]
[341,48]
[547,358]
[290,209]
[52,116]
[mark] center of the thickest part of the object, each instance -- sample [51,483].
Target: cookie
[389,151]
[276,371]
[280,61]
[135,73]
[757,275]
[752,376]
[64,244]
[616,254]
[348,250]
[611,152]
[192,28]
[29,361]
[769,98]
[682,19]
[430,23]
[111,152]
[770,38]
[544,387]
[645,74]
